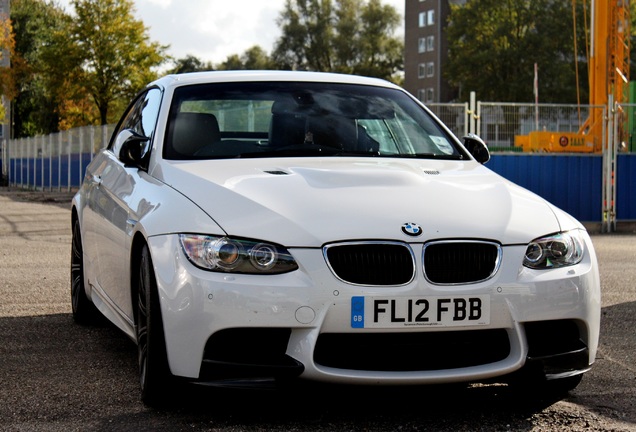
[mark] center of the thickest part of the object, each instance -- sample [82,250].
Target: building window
[430,93]
[421,95]
[430,69]
[421,70]
[421,45]
[426,18]
[430,43]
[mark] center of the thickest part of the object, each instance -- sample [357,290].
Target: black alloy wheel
[84,312]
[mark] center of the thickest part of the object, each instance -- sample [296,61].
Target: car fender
[160,209]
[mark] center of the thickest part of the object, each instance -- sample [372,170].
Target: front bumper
[221,327]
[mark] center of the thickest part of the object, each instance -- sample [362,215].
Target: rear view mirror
[477,148]
[134,149]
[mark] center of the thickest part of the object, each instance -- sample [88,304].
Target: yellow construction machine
[608,75]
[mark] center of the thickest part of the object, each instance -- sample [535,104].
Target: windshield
[278,119]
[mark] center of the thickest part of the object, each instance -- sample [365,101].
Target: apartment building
[426,49]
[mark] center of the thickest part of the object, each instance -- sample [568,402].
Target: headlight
[226,254]
[557,250]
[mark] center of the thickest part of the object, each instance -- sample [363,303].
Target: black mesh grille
[459,262]
[412,351]
[372,263]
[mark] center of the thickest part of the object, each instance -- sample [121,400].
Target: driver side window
[141,117]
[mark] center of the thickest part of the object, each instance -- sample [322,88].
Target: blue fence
[65,172]
[626,187]
[574,183]
[55,161]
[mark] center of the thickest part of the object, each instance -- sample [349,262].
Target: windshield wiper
[290,151]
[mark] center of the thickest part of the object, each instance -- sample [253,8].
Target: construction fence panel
[55,161]
[572,182]
[626,186]
[498,123]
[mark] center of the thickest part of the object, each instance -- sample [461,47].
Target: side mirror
[134,149]
[477,148]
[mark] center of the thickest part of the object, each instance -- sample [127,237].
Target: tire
[154,372]
[84,311]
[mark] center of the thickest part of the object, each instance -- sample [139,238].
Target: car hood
[307,202]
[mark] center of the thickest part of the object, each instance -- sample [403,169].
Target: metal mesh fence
[499,123]
[53,161]
[455,116]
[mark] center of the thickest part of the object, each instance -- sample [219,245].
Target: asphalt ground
[59,376]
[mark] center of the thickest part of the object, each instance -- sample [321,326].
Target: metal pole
[81,148]
[466,120]
[615,146]
[59,161]
[28,163]
[608,171]
[472,112]
[68,151]
[42,161]
[50,152]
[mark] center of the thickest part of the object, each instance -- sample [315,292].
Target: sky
[211,30]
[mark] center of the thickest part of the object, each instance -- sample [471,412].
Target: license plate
[443,311]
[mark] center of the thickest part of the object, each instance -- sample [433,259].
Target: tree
[35,106]
[7,47]
[190,63]
[493,46]
[378,52]
[107,53]
[632,44]
[255,58]
[349,36]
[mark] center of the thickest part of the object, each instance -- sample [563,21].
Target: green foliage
[114,49]
[494,45]
[632,44]
[190,63]
[106,52]
[348,36]
[35,106]
[77,69]
[7,46]
[255,58]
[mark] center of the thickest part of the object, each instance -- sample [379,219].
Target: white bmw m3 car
[260,227]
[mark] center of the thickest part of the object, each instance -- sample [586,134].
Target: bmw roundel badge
[411,229]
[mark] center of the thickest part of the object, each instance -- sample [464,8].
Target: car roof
[191,78]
